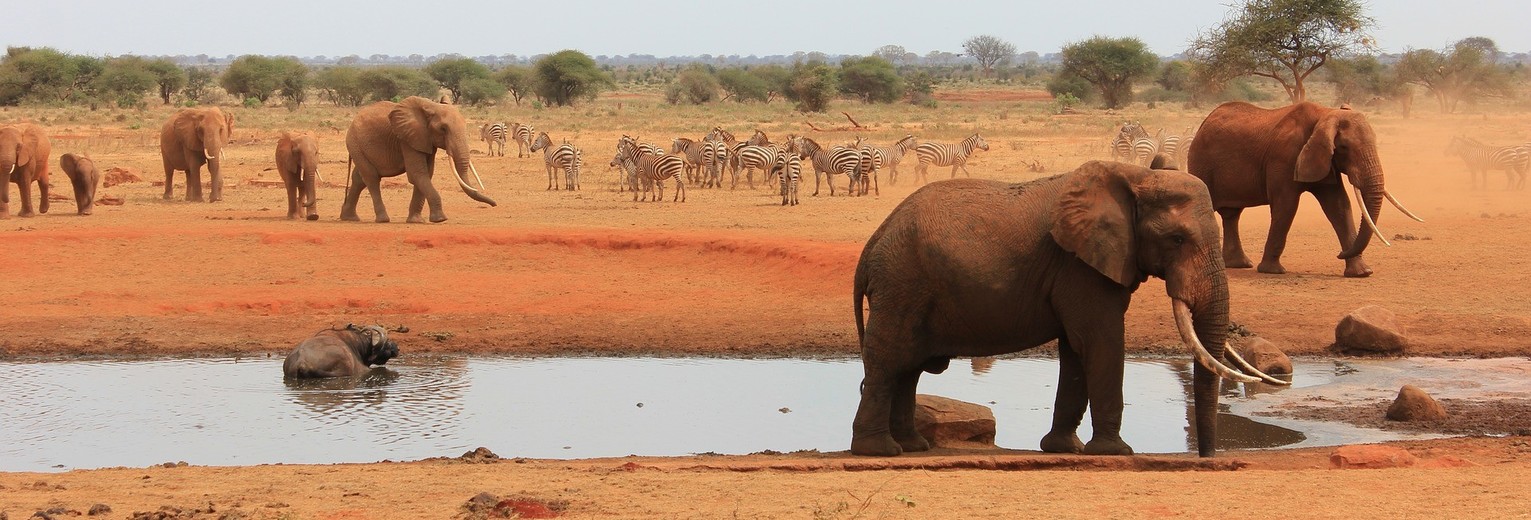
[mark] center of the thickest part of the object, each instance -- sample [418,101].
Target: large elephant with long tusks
[1251,156]
[388,139]
[350,351]
[973,267]
[191,139]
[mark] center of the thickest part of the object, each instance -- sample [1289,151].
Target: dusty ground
[725,273]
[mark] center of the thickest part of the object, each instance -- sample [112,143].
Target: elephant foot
[415,219]
[881,445]
[1239,262]
[1271,267]
[313,216]
[1107,446]
[437,219]
[26,214]
[381,220]
[912,442]
[292,216]
[349,218]
[168,197]
[1056,442]
[1355,268]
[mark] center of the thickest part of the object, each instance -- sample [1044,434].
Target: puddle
[65,415]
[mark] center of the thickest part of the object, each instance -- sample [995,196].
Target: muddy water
[61,415]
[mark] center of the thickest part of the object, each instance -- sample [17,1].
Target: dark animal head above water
[376,348]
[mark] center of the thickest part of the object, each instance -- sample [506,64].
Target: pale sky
[677,28]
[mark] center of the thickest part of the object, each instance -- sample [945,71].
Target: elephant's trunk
[1200,300]
[1368,183]
[462,167]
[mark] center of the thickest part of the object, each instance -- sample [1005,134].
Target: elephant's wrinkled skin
[24,153]
[84,178]
[388,139]
[974,267]
[1250,156]
[297,161]
[342,352]
[190,139]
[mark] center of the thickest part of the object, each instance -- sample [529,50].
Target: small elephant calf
[84,176]
[340,352]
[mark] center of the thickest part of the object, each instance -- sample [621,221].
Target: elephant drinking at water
[388,139]
[974,267]
[1250,156]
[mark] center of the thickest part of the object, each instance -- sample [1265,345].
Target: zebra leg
[1233,248]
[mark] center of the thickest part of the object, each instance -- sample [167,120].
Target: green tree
[1465,71]
[47,75]
[452,74]
[1361,78]
[342,85]
[124,80]
[988,50]
[1111,64]
[260,77]
[168,77]
[812,85]
[518,81]
[567,76]
[480,91]
[392,83]
[1174,76]
[777,80]
[294,76]
[741,85]
[198,81]
[1064,83]
[1285,40]
[694,86]
[872,79]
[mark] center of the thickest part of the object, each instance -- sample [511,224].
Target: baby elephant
[340,352]
[85,177]
[297,161]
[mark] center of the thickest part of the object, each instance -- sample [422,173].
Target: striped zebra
[629,172]
[748,158]
[826,163]
[719,134]
[691,151]
[865,172]
[1145,148]
[890,156]
[789,168]
[523,135]
[493,134]
[565,158]
[941,154]
[759,139]
[1482,158]
[652,167]
[1121,145]
[1172,144]
[714,159]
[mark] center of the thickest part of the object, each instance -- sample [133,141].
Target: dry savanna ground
[728,272]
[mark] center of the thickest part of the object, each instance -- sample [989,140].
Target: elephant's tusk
[1368,214]
[1250,369]
[10,171]
[474,170]
[1400,207]
[464,184]
[1204,358]
[209,156]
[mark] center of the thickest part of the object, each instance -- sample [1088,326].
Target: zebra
[565,157]
[714,156]
[1482,158]
[652,167]
[890,156]
[493,133]
[523,135]
[790,167]
[719,134]
[1172,144]
[865,172]
[826,163]
[941,154]
[749,157]
[759,139]
[1145,148]
[691,151]
[1121,145]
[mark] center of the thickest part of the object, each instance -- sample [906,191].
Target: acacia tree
[1464,71]
[168,76]
[567,76]
[517,81]
[988,50]
[1285,40]
[1111,64]
[453,73]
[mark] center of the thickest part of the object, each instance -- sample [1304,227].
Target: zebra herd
[1481,158]
[1133,144]
[703,162]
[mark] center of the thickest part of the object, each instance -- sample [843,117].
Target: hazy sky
[673,27]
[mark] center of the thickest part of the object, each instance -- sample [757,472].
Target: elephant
[972,267]
[387,139]
[191,138]
[340,352]
[1251,156]
[24,153]
[84,177]
[297,160]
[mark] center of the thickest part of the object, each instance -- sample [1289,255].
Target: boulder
[119,175]
[949,423]
[1414,404]
[1264,355]
[1371,456]
[1371,329]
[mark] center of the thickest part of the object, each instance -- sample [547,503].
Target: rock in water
[1371,329]
[1264,355]
[1414,404]
[949,423]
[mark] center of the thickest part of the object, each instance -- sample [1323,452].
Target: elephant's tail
[859,293]
[349,171]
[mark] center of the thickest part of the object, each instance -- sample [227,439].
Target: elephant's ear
[1095,220]
[411,125]
[1316,159]
[68,163]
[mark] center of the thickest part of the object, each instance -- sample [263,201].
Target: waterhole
[64,415]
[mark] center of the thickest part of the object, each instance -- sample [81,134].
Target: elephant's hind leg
[1233,247]
[887,394]
[353,195]
[1069,405]
[901,422]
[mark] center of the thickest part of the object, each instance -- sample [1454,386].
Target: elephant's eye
[1177,239]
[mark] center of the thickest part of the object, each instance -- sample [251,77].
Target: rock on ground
[1370,456]
[1264,355]
[1371,329]
[1414,404]
[950,423]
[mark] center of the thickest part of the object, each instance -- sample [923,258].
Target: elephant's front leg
[420,168]
[1283,211]
[1336,205]
[24,188]
[1069,405]
[1233,246]
[42,195]
[292,199]
[416,205]
[1094,326]
[193,181]
[169,182]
